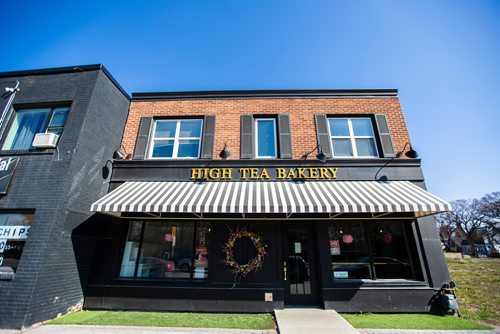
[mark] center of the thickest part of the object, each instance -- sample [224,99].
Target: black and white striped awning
[271,197]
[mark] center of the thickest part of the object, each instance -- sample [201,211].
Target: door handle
[284,270]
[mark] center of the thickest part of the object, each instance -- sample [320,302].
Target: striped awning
[271,197]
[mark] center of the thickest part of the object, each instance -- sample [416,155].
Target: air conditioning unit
[45,140]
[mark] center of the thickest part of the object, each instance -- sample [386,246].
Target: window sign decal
[334,247]
[7,167]
[14,231]
[3,243]
[298,248]
[340,274]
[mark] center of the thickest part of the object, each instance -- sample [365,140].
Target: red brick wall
[301,111]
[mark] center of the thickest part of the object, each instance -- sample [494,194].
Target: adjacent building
[58,129]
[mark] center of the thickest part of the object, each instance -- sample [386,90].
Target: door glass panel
[298,262]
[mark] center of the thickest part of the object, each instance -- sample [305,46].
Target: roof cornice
[248,94]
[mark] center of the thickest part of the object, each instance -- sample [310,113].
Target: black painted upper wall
[59,185]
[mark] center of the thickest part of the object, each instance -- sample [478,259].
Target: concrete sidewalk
[312,321]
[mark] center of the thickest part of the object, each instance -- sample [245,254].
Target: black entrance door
[299,266]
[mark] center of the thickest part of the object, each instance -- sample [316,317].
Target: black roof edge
[66,69]
[292,93]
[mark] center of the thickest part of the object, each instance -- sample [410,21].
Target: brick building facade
[301,110]
[250,201]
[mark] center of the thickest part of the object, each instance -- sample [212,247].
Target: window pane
[266,140]
[339,127]
[348,251]
[165,129]
[163,148]
[59,117]
[188,148]
[24,127]
[362,127]
[366,147]
[201,252]
[14,230]
[57,131]
[167,250]
[191,128]
[131,250]
[390,255]
[342,147]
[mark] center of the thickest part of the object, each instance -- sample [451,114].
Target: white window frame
[176,138]
[353,138]
[256,143]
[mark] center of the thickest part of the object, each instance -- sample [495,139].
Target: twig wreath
[242,270]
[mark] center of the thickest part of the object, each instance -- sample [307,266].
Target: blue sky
[443,56]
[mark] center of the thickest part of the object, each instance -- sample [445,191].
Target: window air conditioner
[45,140]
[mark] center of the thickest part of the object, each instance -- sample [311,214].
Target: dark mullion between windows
[191,274]
[408,251]
[370,251]
[139,250]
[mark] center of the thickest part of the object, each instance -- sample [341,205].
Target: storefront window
[14,230]
[389,250]
[166,250]
[370,250]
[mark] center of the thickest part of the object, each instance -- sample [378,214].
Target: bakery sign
[255,173]
[7,167]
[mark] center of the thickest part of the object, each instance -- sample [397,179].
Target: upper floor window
[28,122]
[176,139]
[352,137]
[265,138]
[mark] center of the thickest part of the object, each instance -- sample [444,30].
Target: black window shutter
[285,137]
[385,136]
[323,135]
[246,140]
[207,141]
[141,142]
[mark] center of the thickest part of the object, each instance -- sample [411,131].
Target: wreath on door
[240,270]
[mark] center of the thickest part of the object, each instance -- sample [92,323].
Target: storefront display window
[14,231]
[370,250]
[166,250]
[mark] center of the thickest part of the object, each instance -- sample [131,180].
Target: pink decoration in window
[347,238]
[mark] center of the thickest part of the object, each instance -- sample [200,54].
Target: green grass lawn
[168,319]
[478,288]
[410,321]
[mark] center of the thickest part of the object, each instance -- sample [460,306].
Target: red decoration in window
[347,238]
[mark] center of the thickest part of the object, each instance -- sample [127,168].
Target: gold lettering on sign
[227,173]
[214,173]
[264,174]
[323,173]
[313,173]
[333,171]
[301,173]
[291,174]
[253,173]
[244,172]
[196,173]
[280,173]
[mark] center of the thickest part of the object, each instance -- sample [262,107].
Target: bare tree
[447,230]
[490,207]
[471,219]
